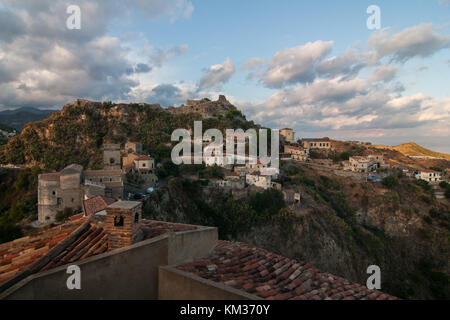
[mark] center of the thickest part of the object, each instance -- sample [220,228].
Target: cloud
[217,74]
[384,73]
[159,56]
[295,65]
[418,41]
[252,63]
[42,63]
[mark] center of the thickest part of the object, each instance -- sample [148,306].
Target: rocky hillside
[76,133]
[413,149]
[342,227]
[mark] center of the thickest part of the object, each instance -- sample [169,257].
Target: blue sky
[310,65]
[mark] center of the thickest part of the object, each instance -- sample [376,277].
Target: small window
[136,217]
[118,221]
[53,192]
[143,165]
[47,218]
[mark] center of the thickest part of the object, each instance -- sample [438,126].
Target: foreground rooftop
[274,277]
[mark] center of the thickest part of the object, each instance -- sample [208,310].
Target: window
[118,221]
[136,217]
[111,161]
[53,192]
[143,164]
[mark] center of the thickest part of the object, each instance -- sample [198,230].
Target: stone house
[288,135]
[314,143]
[361,164]
[60,190]
[258,180]
[111,156]
[297,153]
[133,147]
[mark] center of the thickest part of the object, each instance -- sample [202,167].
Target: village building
[253,167]
[361,164]
[111,156]
[429,175]
[134,147]
[57,191]
[288,134]
[258,180]
[140,169]
[110,181]
[297,153]
[316,143]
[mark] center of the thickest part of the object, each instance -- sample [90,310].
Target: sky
[314,66]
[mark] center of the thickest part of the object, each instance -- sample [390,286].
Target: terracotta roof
[21,253]
[49,176]
[96,204]
[91,242]
[67,243]
[102,173]
[274,277]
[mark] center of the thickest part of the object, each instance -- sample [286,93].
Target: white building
[429,175]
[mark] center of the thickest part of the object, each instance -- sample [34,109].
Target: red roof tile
[96,204]
[274,277]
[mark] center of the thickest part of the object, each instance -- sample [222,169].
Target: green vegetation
[18,200]
[390,181]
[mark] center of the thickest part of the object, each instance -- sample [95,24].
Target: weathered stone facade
[111,156]
[57,191]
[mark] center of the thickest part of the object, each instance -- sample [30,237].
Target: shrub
[427,219]
[444,185]
[390,181]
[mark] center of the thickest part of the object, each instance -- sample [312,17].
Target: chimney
[123,221]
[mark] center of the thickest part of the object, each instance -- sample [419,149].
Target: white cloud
[217,75]
[295,65]
[252,63]
[418,41]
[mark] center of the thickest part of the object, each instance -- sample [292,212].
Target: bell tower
[123,221]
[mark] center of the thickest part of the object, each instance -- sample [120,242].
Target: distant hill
[413,149]
[19,117]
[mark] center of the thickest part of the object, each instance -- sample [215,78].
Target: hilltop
[415,150]
[76,133]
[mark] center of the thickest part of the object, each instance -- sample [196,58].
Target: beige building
[134,147]
[111,156]
[297,153]
[140,169]
[288,135]
[361,164]
[322,143]
[258,180]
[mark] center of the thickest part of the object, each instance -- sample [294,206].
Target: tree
[390,181]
